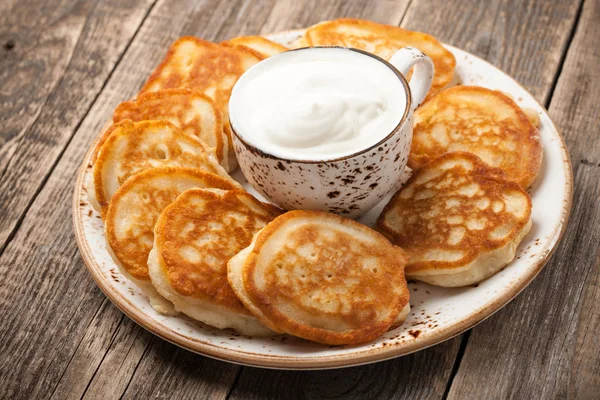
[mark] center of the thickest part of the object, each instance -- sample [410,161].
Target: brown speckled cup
[349,185]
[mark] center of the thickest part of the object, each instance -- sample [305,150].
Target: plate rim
[331,361]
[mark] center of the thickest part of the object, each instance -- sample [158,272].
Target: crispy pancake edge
[275,318]
[212,180]
[478,270]
[129,128]
[482,169]
[156,74]
[246,41]
[202,310]
[182,203]
[219,315]
[128,106]
[534,154]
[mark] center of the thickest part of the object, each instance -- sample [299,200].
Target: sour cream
[317,104]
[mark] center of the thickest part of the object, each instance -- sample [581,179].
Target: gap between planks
[465,339]
[563,55]
[44,180]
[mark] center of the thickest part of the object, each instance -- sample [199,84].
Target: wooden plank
[37,46]
[167,371]
[33,282]
[544,344]
[119,363]
[292,14]
[525,39]
[60,59]
[109,335]
[421,375]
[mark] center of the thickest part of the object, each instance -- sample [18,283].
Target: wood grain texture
[167,371]
[422,375]
[93,364]
[544,344]
[62,55]
[36,47]
[293,14]
[525,39]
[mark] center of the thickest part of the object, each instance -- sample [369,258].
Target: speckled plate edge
[369,355]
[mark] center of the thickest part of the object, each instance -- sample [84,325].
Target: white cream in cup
[327,128]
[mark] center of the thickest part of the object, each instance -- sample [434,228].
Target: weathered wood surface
[55,60]
[60,337]
[545,343]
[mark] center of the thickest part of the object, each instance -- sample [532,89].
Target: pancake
[265,47]
[135,146]
[194,238]
[193,112]
[323,278]
[133,211]
[459,220]
[481,121]
[206,67]
[383,41]
[106,132]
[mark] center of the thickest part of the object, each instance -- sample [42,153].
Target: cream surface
[317,104]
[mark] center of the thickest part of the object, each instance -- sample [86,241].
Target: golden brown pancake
[480,121]
[133,211]
[194,238]
[135,146]
[383,41]
[265,47]
[206,67]
[193,112]
[459,220]
[108,129]
[322,277]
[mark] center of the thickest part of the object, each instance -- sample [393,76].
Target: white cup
[348,185]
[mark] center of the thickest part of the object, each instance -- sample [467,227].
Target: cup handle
[420,82]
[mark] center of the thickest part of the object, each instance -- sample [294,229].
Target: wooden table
[66,64]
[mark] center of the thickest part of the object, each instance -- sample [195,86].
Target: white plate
[437,314]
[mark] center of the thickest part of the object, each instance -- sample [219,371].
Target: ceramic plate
[437,314]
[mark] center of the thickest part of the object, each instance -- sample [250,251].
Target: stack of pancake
[179,227]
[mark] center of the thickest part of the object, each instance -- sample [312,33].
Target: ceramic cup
[349,185]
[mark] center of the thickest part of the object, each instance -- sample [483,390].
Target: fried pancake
[265,47]
[133,211]
[383,41]
[206,67]
[194,238]
[193,112]
[459,220]
[135,146]
[323,278]
[480,121]
[106,132]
